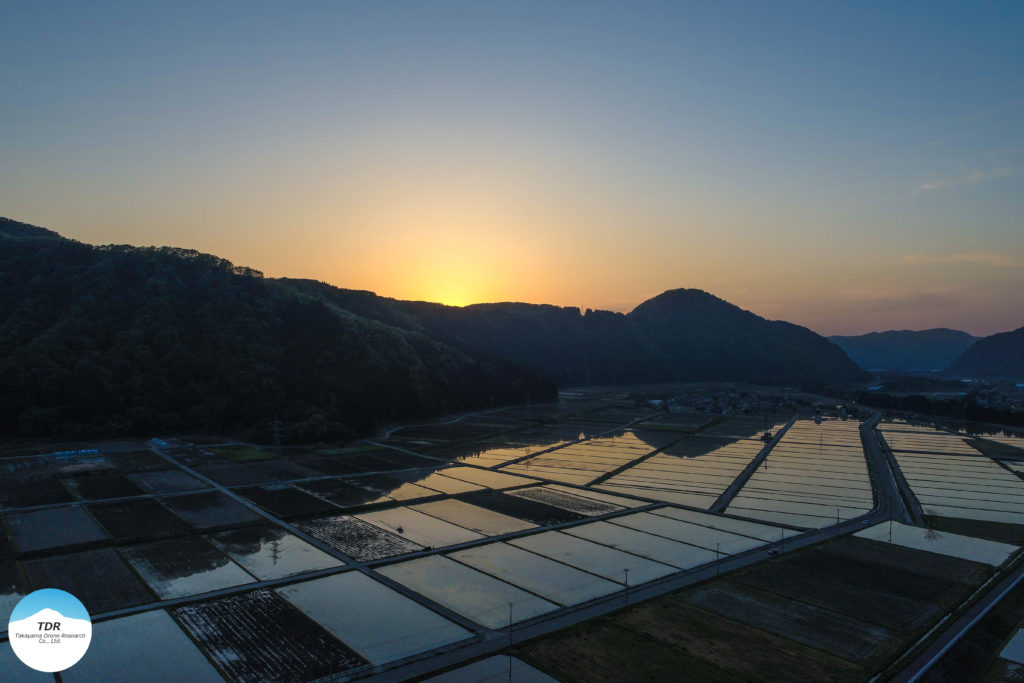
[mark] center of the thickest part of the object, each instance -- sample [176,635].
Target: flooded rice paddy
[503,530]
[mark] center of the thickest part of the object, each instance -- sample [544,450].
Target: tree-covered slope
[680,335]
[120,339]
[1001,355]
[703,337]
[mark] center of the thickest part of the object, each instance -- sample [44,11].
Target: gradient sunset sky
[849,167]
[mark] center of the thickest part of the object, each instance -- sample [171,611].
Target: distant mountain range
[120,339]
[906,350]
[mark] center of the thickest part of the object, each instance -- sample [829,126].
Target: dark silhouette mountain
[9,228]
[681,335]
[905,350]
[1001,355]
[120,339]
[705,338]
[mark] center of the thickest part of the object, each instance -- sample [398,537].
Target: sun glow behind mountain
[573,155]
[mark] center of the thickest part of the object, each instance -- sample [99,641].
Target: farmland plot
[342,492]
[815,476]
[99,578]
[663,550]
[473,594]
[540,575]
[141,647]
[53,528]
[420,528]
[583,462]
[22,491]
[141,518]
[285,501]
[962,486]
[522,507]
[694,472]
[210,509]
[259,636]
[102,486]
[180,567]
[167,481]
[375,621]
[358,539]
[475,518]
[269,552]
[943,543]
[605,561]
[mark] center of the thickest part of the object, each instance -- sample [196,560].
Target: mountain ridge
[998,355]
[141,340]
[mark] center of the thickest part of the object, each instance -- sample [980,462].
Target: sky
[846,166]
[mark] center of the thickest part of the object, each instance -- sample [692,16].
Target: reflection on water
[538,574]
[141,647]
[209,509]
[593,557]
[184,566]
[10,590]
[471,593]
[375,621]
[269,552]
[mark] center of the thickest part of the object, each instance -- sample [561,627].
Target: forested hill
[118,339]
[680,335]
[905,350]
[1001,355]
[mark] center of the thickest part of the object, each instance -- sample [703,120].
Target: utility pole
[277,448]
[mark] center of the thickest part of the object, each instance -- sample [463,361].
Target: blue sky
[50,598]
[846,166]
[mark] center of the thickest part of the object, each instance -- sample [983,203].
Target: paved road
[748,471]
[452,420]
[909,500]
[889,502]
[941,645]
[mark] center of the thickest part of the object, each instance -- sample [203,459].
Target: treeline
[123,340]
[680,335]
[963,408]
